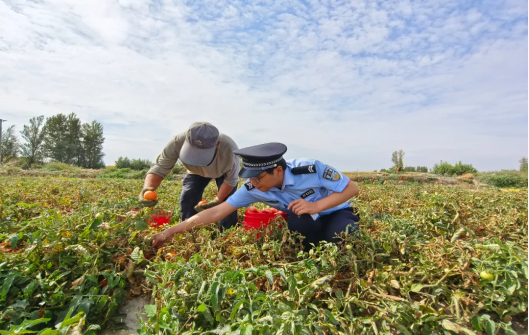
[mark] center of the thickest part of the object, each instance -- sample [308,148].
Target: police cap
[260,157]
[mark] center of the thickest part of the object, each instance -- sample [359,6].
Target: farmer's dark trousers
[193,188]
[325,227]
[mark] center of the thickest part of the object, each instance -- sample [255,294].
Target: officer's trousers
[193,188]
[323,228]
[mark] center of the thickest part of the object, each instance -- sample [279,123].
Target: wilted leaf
[77,282]
[394,284]
[137,254]
[321,281]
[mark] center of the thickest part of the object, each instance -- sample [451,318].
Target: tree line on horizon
[59,138]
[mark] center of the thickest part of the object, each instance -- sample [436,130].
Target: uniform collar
[288,179]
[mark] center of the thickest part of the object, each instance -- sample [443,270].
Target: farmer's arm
[167,159]
[163,166]
[301,206]
[231,178]
[201,219]
[152,180]
[224,191]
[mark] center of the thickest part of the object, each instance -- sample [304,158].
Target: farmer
[314,195]
[206,154]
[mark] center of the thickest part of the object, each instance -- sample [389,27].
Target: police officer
[314,195]
[206,154]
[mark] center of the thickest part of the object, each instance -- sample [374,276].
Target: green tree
[92,145]
[397,159]
[122,163]
[74,137]
[447,169]
[523,164]
[33,149]
[140,164]
[10,145]
[63,139]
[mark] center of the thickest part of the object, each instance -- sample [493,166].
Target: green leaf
[150,310]
[20,304]
[28,324]
[76,301]
[95,224]
[201,308]
[94,327]
[510,332]
[214,299]
[475,323]
[248,330]
[49,331]
[208,316]
[140,224]
[236,308]
[314,307]
[85,305]
[270,277]
[7,285]
[292,286]
[69,321]
[318,329]
[402,329]
[28,291]
[416,287]
[490,326]
[524,269]
[282,273]
[330,317]
[14,238]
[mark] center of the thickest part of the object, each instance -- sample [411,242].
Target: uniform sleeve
[242,198]
[330,178]
[166,161]
[232,177]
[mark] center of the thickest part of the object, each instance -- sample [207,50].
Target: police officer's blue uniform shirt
[308,186]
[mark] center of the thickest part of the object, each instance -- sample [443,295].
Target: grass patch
[126,173]
[504,178]
[58,166]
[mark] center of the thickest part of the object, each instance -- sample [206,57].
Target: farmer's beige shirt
[225,163]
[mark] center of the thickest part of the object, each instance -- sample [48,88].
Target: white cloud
[343,82]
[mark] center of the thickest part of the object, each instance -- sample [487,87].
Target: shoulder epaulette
[304,169]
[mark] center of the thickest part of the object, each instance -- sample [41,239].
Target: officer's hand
[144,202]
[301,206]
[200,208]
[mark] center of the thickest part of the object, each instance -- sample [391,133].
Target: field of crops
[428,259]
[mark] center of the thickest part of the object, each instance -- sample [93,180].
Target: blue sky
[345,82]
